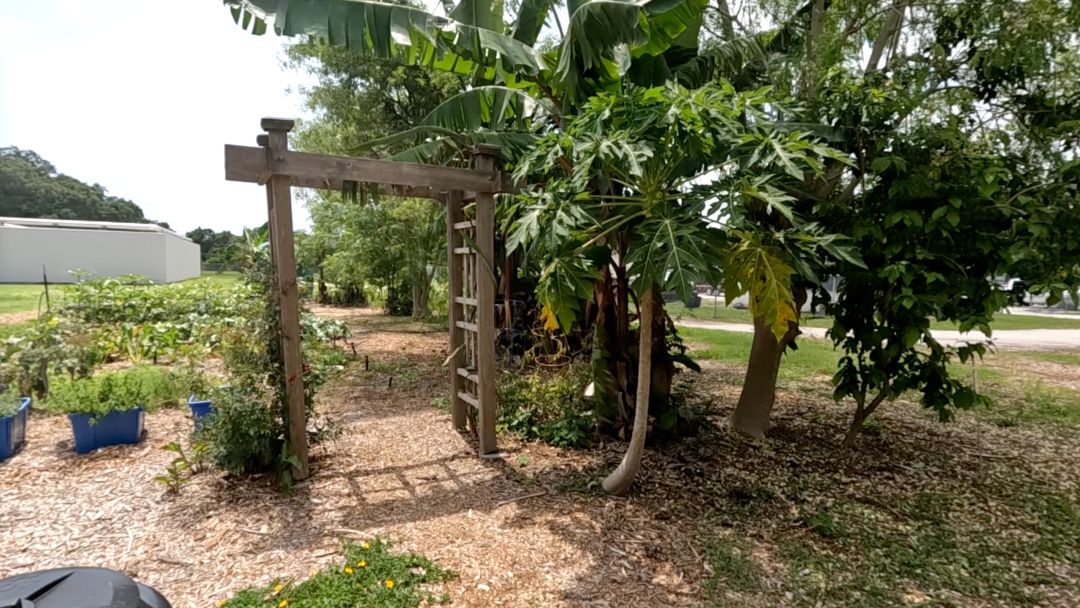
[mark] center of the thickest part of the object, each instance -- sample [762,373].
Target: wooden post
[484,157]
[279,208]
[459,410]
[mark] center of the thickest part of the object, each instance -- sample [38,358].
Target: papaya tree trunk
[754,409]
[663,368]
[618,482]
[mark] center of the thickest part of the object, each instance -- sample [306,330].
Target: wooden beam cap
[278,124]
[486,150]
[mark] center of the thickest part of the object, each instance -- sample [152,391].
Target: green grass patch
[908,550]
[732,568]
[1036,403]
[1003,321]
[814,358]
[24,298]
[371,576]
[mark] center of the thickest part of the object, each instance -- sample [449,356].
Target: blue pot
[13,430]
[114,428]
[199,410]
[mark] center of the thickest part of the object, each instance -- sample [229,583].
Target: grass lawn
[1004,321]
[21,297]
[1033,387]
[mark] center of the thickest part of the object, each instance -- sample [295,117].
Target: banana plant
[519,86]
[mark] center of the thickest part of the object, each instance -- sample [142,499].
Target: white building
[100,248]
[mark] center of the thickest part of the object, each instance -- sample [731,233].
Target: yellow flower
[389,583]
[278,587]
[348,570]
[362,563]
[365,545]
[283,603]
[221,603]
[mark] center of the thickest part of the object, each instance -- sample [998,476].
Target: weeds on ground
[371,576]
[547,406]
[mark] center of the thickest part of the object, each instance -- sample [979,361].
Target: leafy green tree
[217,247]
[999,76]
[30,186]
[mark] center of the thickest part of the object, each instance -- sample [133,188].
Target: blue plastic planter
[114,428]
[199,410]
[13,430]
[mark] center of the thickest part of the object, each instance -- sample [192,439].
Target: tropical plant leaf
[530,20]
[402,32]
[759,270]
[722,59]
[492,107]
[479,13]
[603,34]
[564,283]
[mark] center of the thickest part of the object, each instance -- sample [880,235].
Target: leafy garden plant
[144,386]
[548,406]
[371,576]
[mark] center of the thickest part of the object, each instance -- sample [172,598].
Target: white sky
[140,97]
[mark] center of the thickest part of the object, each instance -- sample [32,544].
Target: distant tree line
[31,187]
[218,248]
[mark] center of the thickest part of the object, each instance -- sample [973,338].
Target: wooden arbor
[470,206]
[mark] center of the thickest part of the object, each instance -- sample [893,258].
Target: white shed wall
[23,251]
[182,259]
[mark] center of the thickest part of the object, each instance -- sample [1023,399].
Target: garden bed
[713,519]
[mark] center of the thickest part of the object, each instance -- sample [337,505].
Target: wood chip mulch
[528,529]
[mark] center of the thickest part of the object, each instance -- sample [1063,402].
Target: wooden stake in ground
[279,203]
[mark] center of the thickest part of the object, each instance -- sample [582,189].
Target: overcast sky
[140,97]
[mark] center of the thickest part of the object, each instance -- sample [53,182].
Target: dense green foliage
[549,406]
[248,431]
[30,186]
[370,576]
[141,386]
[368,247]
[222,248]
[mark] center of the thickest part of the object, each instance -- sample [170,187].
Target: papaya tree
[634,184]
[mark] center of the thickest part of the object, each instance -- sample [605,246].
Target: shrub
[548,406]
[370,576]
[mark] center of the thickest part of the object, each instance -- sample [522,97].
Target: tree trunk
[663,368]
[754,409]
[618,482]
[421,293]
[861,415]
[323,297]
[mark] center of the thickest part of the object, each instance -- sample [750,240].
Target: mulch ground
[528,529]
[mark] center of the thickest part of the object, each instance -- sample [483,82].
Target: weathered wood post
[459,409]
[484,156]
[279,212]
